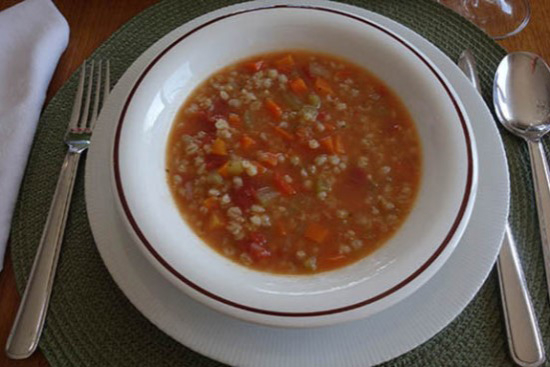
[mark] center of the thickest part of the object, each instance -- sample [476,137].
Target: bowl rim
[447,240]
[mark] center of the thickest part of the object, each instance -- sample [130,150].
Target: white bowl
[387,276]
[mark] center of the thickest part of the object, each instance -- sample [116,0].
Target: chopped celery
[247,117]
[292,101]
[266,194]
[314,100]
[215,178]
[235,168]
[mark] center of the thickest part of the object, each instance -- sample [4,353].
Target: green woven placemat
[91,323]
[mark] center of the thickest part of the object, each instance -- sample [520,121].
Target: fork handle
[524,336]
[27,328]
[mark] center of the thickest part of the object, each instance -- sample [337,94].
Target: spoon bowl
[522,95]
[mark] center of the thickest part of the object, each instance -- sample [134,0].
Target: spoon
[521,95]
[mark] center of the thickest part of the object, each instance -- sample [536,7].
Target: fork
[29,321]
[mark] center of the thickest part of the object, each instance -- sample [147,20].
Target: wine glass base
[498,18]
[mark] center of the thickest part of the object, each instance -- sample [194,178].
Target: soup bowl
[395,270]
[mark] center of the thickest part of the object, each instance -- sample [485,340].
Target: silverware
[28,324]
[521,95]
[524,336]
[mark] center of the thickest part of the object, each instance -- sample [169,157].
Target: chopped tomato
[307,72]
[321,116]
[205,123]
[220,109]
[284,187]
[214,161]
[357,176]
[245,196]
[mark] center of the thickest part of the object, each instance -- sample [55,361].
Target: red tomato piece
[357,176]
[214,161]
[245,196]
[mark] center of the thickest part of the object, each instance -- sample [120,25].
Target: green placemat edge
[67,341]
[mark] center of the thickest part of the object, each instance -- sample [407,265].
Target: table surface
[92,22]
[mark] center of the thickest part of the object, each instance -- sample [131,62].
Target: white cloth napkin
[33,35]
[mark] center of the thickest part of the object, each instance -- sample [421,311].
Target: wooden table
[92,22]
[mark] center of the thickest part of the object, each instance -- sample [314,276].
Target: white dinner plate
[362,343]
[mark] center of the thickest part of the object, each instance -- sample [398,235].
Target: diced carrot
[284,187]
[271,159]
[255,65]
[316,232]
[210,203]
[260,167]
[234,120]
[274,109]
[223,170]
[298,86]
[285,64]
[247,142]
[343,74]
[218,147]
[215,221]
[322,86]
[338,144]
[328,143]
[285,134]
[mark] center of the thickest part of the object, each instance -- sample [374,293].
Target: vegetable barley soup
[294,162]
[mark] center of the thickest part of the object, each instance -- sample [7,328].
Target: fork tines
[80,118]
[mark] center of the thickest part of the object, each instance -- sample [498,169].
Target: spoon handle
[541,178]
